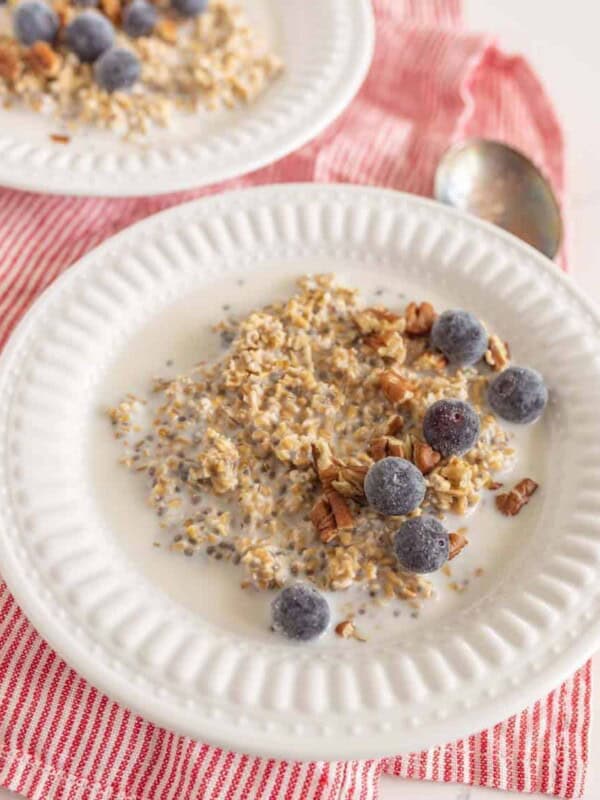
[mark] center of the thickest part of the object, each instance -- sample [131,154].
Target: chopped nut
[350,482]
[395,425]
[425,457]
[347,630]
[419,318]
[510,503]
[395,387]
[10,64]
[323,462]
[60,138]
[330,515]
[384,446]
[64,12]
[167,30]
[339,508]
[458,541]
[493,485]
[112,9]
[497,355]
[43,59]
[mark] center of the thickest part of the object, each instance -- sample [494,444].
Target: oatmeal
[131,65]
[260,457]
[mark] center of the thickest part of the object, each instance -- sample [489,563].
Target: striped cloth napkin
[431,83]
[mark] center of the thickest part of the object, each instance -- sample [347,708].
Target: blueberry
[117,69]
[89,35]
[35,22]
[300,612]
[451,427]
[460,336]
[394,486]
[518,394]
[139,18]
[189,8]
[422,544]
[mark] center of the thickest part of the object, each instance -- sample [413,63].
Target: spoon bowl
[499,184]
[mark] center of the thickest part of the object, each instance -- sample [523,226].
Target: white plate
[326,47]
[175,638]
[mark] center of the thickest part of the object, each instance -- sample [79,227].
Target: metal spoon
[499,184]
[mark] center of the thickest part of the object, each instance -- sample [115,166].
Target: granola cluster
[213,61]
[260,457]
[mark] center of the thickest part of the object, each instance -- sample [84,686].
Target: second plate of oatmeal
[143,97]
[308,471]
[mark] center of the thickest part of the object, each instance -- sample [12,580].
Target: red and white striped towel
[430,84]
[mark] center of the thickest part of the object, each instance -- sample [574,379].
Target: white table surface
[562,42]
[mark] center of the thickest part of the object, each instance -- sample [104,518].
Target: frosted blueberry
[35,22]
[460,336]
[189,8]
[422,544]
[89,35]
[518,394]
[117,69]
[451,427]
[139,18]
[394,486]
[300,612]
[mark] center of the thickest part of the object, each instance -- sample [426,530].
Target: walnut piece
[10,64]
[458,541]
[510,503]
[395,387]
[384,446]
[498,354]
[43,59]
[419,318]
[425,457]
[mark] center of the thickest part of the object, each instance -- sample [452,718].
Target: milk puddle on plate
[179,336]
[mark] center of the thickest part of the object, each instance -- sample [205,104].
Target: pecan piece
[395,387]
[510,503]
[350,481]
[457,542]
[347,630]
[395,425]
[384,446]
[498,354]
[10,64]
[419,318]
[112,9]
[331,514]
[425,457]
[323,520]
[64,12]
[339,509]
[323,462]
[43,60]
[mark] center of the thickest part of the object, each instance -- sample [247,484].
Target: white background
[561,40]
